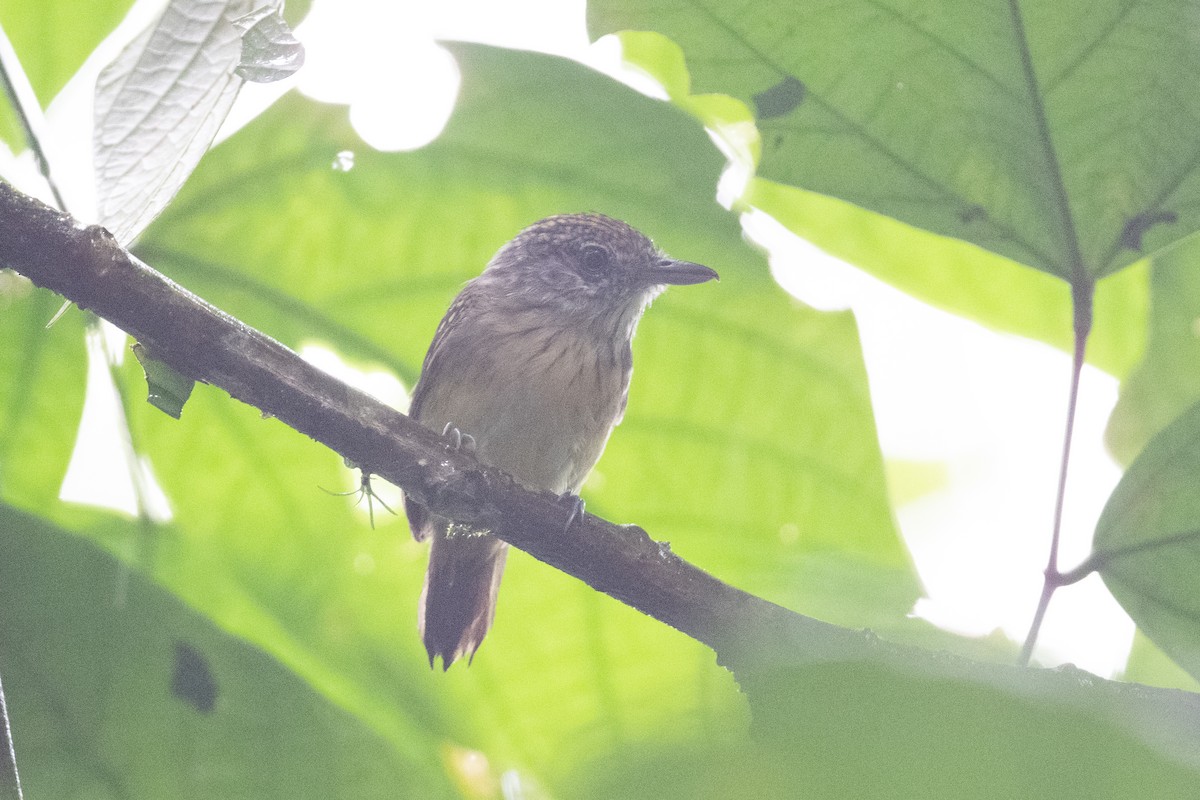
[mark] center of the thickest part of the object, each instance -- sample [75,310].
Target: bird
[529,369]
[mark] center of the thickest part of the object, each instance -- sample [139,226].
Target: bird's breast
[540,401]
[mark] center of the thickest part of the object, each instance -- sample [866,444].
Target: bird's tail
[458,600]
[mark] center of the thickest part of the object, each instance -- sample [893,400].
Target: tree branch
[86,265]
[756,639]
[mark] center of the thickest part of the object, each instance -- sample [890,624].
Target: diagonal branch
[87,266]
[758,640]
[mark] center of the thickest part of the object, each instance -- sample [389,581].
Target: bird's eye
[594,261]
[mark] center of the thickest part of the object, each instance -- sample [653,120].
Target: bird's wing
[461,306]
[418,515]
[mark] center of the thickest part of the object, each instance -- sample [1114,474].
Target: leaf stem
[1102,558]
[10,781]
[21,98]
[1082,293]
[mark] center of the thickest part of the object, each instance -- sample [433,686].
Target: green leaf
[52,38]
[911,480]
[748,441]
[978,121]
[116,689]
[1149,665]
[965,279]
[42,372]
[943,738]
[1147,542]
[158,106]
[270,51]
[1167,380]
[898,724]
[933,243]
[168,390]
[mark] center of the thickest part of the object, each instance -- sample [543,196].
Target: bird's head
[587,267]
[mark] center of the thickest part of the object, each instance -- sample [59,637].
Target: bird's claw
[457,440]
[576,511]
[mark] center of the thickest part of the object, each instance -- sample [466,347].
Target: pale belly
[545,419]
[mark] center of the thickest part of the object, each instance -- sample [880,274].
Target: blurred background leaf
[1167,379]
[52,39]
[41,394]
[1148,664]
[116,689]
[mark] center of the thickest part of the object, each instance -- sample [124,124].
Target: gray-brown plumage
[531,364]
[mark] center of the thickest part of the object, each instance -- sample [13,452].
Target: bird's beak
[679,273]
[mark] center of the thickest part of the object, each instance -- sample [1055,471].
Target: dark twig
[1082,300]
[10,68]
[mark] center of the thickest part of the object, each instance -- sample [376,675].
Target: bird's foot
[576,512]
[457,440]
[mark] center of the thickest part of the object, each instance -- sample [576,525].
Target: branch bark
[758,640]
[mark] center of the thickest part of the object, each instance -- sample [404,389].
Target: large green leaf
[933,140]
[748,442]
[1147,542]
[861,730]
[117,690]
[1027,129]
